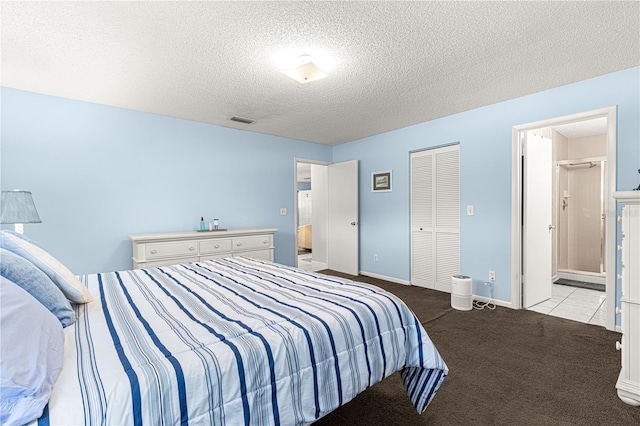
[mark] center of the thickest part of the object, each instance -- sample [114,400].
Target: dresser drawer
[165,262]
[214,256]
[256,254]
[159,250]
[251,243]
[215,246]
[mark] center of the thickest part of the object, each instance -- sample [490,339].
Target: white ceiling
[580,129]
[391,64]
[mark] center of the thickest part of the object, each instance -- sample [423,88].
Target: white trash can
[461,291]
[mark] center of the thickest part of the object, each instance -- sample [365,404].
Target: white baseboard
[384,277]
[497,302]
[405,282]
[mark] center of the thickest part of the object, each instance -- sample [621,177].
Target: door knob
[354,223]
[552,227]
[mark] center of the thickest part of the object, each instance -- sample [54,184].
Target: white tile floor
[306,263]
[577,304]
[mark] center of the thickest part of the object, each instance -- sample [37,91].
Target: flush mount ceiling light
[305,71]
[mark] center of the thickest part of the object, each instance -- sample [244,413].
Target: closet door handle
[552,227]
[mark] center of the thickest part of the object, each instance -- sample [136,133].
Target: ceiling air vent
[242,120]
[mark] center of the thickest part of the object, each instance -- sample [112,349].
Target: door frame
[295,198]
[516,204]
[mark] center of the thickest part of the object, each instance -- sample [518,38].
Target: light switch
[469,210]
[283,211]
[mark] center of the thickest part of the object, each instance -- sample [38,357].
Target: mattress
[234,341]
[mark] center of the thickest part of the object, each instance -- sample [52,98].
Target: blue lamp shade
[18,207]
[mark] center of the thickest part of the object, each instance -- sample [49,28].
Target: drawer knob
[618,345]
[154,251]
[238,244]
[192,248]
[618,310]
[265,242]
[216,246]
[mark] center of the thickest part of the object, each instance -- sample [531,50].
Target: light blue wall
[485,141]
[99,173]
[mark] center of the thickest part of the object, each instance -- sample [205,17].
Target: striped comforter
[234,341]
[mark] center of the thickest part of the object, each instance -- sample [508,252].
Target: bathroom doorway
[566,274]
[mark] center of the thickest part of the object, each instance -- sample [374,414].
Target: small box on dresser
[170,248]
[628,384]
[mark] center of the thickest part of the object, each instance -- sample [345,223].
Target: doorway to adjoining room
[307,258]
[564,217]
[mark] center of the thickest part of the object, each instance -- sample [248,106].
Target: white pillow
[32,352]
[71,286]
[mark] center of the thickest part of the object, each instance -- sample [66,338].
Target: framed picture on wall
[381,181]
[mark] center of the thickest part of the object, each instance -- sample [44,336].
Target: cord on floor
[489,305]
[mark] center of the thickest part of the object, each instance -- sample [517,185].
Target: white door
[343,217]
[537,224]
[435,217]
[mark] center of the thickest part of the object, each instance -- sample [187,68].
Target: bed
[233,341]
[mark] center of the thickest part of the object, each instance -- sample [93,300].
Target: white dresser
[628,384]
[152,250]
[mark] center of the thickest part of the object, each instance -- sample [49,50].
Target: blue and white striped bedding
[234,341]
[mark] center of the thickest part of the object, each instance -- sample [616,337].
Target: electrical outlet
[375,257]
[283,211]
[469,210]
[492,276]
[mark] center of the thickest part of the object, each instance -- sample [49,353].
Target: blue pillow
[25,274]
[61,276]
[31,355]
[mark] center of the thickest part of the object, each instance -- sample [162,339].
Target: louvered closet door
[435,217]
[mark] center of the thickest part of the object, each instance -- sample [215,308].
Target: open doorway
[311,215]
[333,202]
[562,231]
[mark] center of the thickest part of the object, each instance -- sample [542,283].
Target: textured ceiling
[391,64]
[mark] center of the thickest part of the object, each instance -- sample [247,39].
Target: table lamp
[17,207]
